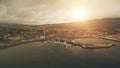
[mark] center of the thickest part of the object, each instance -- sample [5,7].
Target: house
[14,38]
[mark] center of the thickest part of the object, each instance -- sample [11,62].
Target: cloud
[53,11]
[29,11]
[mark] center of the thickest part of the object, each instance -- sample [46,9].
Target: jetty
[97,46]
[88,45]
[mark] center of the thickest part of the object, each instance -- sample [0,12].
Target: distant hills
[105,23]
[7,25]
[3,24]
[111,25]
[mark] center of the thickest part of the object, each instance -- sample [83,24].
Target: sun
[80,14]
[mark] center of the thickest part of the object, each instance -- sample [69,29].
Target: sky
[55,11]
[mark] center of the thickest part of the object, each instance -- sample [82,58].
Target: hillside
[111,25]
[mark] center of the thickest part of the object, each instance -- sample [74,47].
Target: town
[64,33]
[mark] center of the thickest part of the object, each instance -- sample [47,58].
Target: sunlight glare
[80,14]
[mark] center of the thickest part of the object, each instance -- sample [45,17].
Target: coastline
[4,46]
[85,46]
[111,39]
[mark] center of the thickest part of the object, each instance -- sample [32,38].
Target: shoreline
[18,43]
[111,39]
[85,46]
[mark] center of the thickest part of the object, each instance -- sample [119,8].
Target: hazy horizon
[56,11]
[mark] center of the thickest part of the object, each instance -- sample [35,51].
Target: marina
[53,54]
